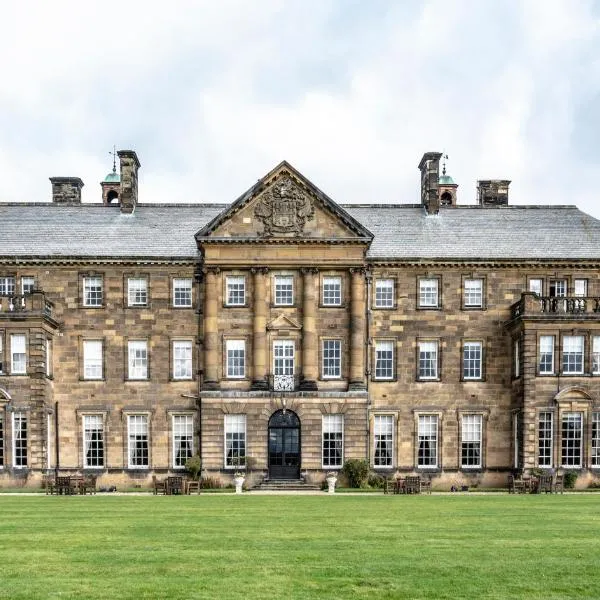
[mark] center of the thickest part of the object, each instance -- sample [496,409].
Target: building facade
[289,333]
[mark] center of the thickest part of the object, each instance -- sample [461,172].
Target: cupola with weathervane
[111,185]
[446,187]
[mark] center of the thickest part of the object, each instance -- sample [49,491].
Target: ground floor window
[545,432]
[384,440]
[19,440]
[595,458]
[471,435]
[333,440]
[93,441]
[183,439]
[428,441]
[1,440]
[138,442]
[235,440]
[572,438]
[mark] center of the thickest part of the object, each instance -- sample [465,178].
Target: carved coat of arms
[284,208]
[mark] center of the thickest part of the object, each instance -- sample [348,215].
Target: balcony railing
[531,304]
[283,383]
[24,304]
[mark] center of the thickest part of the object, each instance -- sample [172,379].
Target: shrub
[356,471]
[193,466]
[570,479]
[376,481]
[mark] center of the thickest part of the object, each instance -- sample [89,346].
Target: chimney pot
[492,192]
[430,173]
[129,165]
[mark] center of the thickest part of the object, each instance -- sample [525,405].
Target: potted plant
[331,477]
[239,476]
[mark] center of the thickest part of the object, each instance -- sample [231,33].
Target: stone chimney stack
[129,180]
[430,173]
[66,190]
[492,192]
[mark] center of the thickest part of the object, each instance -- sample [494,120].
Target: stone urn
[238,480]
[331,481]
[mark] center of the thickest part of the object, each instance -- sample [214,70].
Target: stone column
[310,351]
[259,330]
[211,330]
[357,330]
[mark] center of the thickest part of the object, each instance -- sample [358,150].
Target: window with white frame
[93,291]
[1,439]
[572,358]
[471,441]
[1,351]
[333,441]
[18,354]
[596,355]
[557,288]
[384,359]
[332,359]
[545,436]
[580,287]
[595,457]
[27,285]
[137,291]
[473,293]
[182,292]
[428,359]
[472,360]
[236,290]
[235,440]
[92,359]
[7,286]
[428,293]
[536,286]
[546,364]
[138,442]
[428,441]
[183,440]
[517,357]
[93,441]
[236,358]
[283,357]
[284,290]
[19,445]
[138,359]
[384,293]
[572,439]
[332,291]
[383,437]
[182,359]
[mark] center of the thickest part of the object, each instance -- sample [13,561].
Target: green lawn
[285,547]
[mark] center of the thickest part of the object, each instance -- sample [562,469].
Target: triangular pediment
[284,204]
[284,323]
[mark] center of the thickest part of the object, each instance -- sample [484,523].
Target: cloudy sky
[212,95]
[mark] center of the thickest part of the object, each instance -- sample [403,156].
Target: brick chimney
[492,192]
[430,173]
[66,190]
[129,180]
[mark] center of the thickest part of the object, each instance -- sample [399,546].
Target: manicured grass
[227,546]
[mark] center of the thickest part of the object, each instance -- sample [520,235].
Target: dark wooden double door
[284,445]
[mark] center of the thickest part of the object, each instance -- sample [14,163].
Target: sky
[212,95]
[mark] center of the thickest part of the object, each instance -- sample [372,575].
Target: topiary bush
[193,466]
[357,472]
[570,479]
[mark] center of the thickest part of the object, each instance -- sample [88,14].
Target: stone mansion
[294,333]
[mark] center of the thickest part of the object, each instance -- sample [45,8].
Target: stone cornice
[283,240]
[104,260]
[460,263]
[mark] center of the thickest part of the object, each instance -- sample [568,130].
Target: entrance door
[284,445]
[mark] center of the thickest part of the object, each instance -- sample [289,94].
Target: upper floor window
[384,359]
[596,355]
[1,351]
[138,359]
[27,285]
[429,293]
[182,292]
[572,363]
[137,291]
[332,291]
[384,293]
[92,359]
[557,288]
[472,360]
[236,358]
[536,286]
[580,287]
[7,286]
[92,291]
[284,290]
[18,354]
[236,291]
[332,359]
[546,354]
[473,293]
[182,359]
[428,360]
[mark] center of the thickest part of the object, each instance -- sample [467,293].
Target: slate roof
[401,231]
